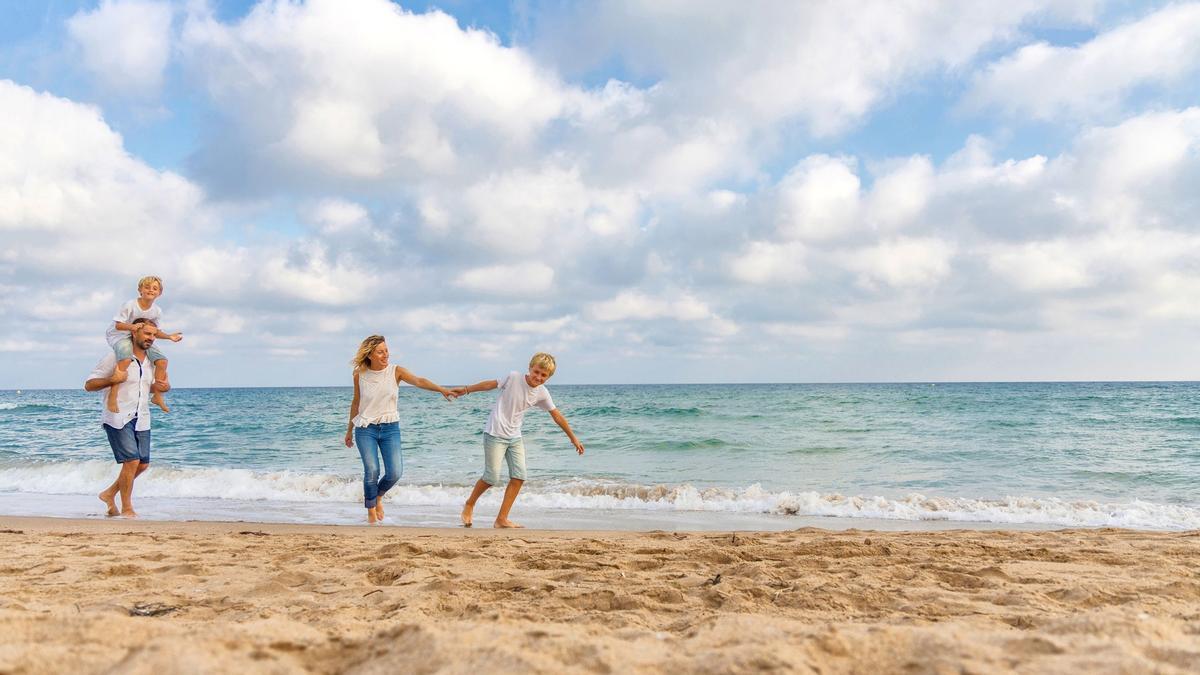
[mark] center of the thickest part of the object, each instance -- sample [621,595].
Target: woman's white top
[378,394]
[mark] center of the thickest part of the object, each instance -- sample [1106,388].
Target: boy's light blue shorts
[496,449]
[123,349]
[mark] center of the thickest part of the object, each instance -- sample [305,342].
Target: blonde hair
[362,358]
[146,281]
[544,360]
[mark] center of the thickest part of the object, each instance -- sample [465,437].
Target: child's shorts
[123,348]
[511,450]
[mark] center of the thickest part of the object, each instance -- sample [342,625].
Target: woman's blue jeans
[373,441]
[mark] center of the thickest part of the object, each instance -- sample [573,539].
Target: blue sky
[655,192]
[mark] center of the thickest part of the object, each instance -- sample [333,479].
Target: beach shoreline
[90,595]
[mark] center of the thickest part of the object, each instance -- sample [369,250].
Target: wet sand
[84,596]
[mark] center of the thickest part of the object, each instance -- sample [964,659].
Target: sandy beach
[83,596]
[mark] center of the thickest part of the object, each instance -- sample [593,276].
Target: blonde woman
[375,419]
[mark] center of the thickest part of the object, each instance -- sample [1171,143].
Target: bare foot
[129,514]
[371,517]
[506,524]
[158,400]
[112,505]
[379,510]
[466,514]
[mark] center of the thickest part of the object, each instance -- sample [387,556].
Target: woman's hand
[349,438]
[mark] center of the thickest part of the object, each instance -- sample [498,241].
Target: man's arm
[561,421]
[98,383]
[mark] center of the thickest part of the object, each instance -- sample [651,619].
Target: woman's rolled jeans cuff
[375,441]
[510,450]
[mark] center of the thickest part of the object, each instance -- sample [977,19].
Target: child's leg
[160,378]
[493,453]
[123,350]
[119,375]
[515,455]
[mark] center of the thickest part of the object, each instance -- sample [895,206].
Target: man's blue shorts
[128,444]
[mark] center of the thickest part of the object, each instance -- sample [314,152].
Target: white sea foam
[288,486]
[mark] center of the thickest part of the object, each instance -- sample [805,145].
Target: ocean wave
[50,478]
[20,408]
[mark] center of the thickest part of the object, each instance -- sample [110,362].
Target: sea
[658,457]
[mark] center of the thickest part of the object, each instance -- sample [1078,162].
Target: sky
[653,191]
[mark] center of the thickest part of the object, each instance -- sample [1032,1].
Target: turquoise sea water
[722,456]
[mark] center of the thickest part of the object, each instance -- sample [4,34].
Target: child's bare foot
[466,514]
[128,513]
[107,498]
[158,400]
[506,524]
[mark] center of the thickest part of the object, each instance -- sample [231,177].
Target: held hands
[448,394]
[460,391]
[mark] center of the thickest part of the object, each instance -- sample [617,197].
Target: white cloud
[900,193]
[819,198]
[72,199]
[826,63]
[1046,81]
[763,262]
[518,281]
[126,43]
[638,306]
[365,89]
[902,262]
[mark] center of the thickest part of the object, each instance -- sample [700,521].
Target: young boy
[118,336]
[502,434]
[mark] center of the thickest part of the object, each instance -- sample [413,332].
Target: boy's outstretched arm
[421,383]
[561,421]
[485,385]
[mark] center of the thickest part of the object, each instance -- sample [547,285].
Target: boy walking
[502,434]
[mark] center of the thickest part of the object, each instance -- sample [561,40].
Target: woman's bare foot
[466,514]
[158,400]
[130,513]
[112,505]
[379,510]
[371,517]
[506,524]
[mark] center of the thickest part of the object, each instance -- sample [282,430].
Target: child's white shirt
[128,312]
[516,396]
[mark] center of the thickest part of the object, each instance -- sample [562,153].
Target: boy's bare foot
[112,505]
[129,514]
[466,514]
[158,400]
[506,524]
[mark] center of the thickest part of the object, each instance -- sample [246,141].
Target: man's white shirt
[133,395]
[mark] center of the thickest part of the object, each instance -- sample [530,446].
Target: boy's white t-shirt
[128,312]
[516,396]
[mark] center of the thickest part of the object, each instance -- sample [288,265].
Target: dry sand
[82,596]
